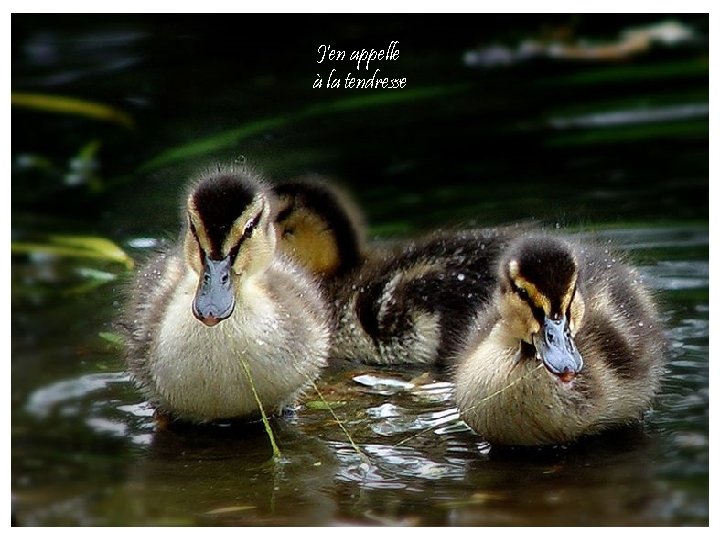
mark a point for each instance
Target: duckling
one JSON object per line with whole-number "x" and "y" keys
{"x": 551, "y": 340}
{"x": 411, "y": 303}
{"x": 225, "y": 294}
{"x": 320, "y": 227}
{"x": 569, "y": 344}
{"x": 405, "y": 302}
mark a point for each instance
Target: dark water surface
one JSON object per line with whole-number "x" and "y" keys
{"x": 614, "y": 149}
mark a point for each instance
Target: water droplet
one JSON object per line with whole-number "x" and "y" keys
{"x": 461, "y": 277}
{"x": 641, "y": 324}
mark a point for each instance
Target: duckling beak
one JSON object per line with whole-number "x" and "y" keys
{"x": 556, "y": 349}
{"x": 214, "y": 299}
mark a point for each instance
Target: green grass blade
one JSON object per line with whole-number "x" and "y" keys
{"x": 627, "y": 73}
{"x": 111, "y": 337}
{"x": 266, "y": 423}
{"x": 77, "y": 246}
{"x": 232, "y": 137}
{"x": 327, "y": 406}
{"x": 72, "y": 106}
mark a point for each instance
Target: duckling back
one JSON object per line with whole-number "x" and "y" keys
{"x": 405, "y": 302}
{"x": 569, "y": 344}
{"x": 221, "y": 301}
{"x": 410, "y": 303}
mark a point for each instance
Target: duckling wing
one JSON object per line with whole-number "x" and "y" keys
{"x": 414, "y": 304}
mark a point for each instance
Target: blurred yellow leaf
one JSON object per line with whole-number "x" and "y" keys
{"x": 68, "y": 105}
{"x": 77, "y": 246}
{"x": 228, "y": 510}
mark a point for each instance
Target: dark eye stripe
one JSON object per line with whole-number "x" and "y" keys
{"x": 247, "y": 233}
{"x": 537, "y": 312}
{"x": 572, "y": 297}
{"x": 193, "y": 230}
{"x": 250, "y": 227}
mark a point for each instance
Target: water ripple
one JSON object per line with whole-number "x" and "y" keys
{"x": 45, "y": 400}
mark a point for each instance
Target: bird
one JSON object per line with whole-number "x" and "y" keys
{"x": 569, "y": 344}
{"x": 548, "y": 339}
{"x": 320, "y": 226}
{"x": 411, "y": 301}
{"x": 406, "y": 301}
{"x": 222, "y": 300}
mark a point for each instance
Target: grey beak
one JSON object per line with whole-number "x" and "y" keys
{"x": 214, "y": 298}
{"x": 557, "y": 349}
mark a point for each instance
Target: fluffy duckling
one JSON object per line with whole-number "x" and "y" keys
{"x": 408, "y": 302}
{"x": 411, "y": 303}
{"x": 320, "y": 227}
{"x": 552, "y": 340}
{"x": 570, "y": 344}
{"x": 393, "y": 303}
{"x": 225, "y": 294}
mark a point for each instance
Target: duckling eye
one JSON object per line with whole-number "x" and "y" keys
{"x": 523, "y": 294}
{"x": 250, "y": 227}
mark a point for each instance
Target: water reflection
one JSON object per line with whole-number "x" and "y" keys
{"x": 227, "y": 476}
{"x": 410, "y": 461}
{"x": 67, "y": 393}
{"x": 608, "y": 482}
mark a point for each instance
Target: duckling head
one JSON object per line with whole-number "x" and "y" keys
{"x": 541, "y": 304}
{"x": 229, "y": 239}
{"x": 319, "y": 226}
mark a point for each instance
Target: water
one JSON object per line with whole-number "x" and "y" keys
{"x": 84, "y": 447}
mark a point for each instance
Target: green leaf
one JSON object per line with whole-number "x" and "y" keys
{"x": 229, "y": 510}
{"x": 77, "y": 246}
{"x": 112, "y": 338}
{"x": 630, "y": 133}
{"x": 628, "y": 73}
{"x": 324, "y": 405}
{"x": 72, "y": 106}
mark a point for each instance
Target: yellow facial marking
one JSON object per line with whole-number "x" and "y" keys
{"x": 240, "y": 224}
{"x": 202, "y": 236}
{"x": 577, "y": 313}
{"x": 319, "y": 252}
{"x": 308, "y": 239}
{"x": 536, "y": 297}
{"x": 568, "y": 294}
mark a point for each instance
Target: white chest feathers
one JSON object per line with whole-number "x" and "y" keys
{"x": 198, "y": 371}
